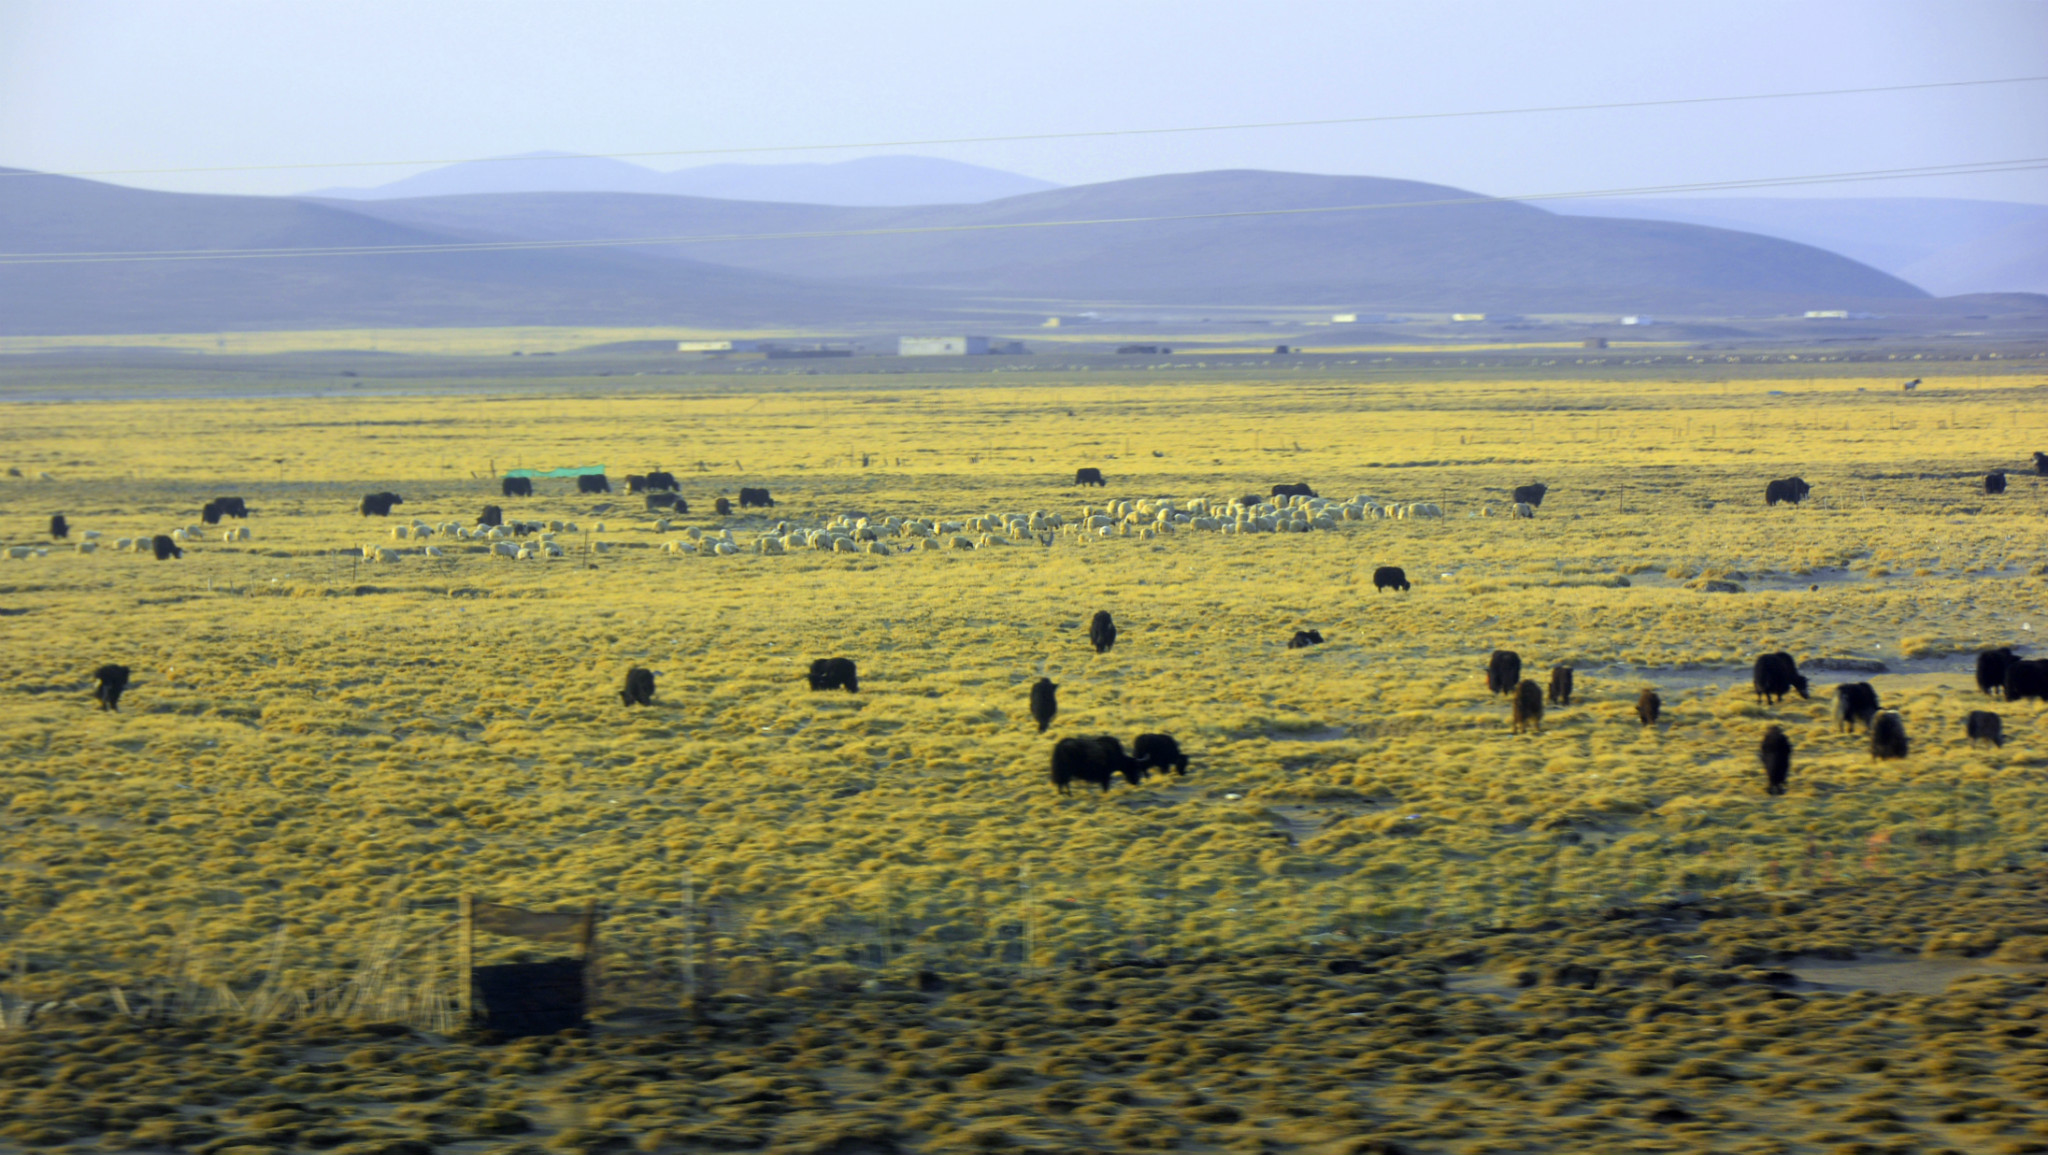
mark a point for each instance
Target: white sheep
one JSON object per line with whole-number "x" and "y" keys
{"x": 87, "y": 546}
{"x": 20, "y": 551}
{"x": 434, "y": 551}
{"x": 400, "y": 532}
{"x": 92, "y": 535}
{"x": 1524, "y": 509}
{"x": 504, "y": 549}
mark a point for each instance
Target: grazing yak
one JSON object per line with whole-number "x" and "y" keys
{"x": 1251, "y": 499}
{"x": 210, "y": 513}
{"x": 1089, "y": 476}
{"x": 1855, "y": 702}
{"x": 1528, "y": 710}
{"x": 1887, "y": 737}
{"x": 661, "y": 480}
{"x": 834, "y": 674}
{"x": 165, "y": 548}
{"x": 636, "y": 482}
{"x": 1991, "y": 667}
{"x": 1503, "y": 670}
{"x": 1102, "y": 632}
{"x": 515, "y": 486}
{"x": 1045, "y": 702}
{"x": 379, "y": 504}
{"x": 1776, "y": 755}
{"x": 662, "y": 501}
{"x": 233, "y": 507}
{"x": 722, "y": 507}
{"x": 2041, "y": 464}
{"x": 1160, "y": 750}
{"x": 1298, "y": 489}
{"x": 1561, "y": 686}
{"x": 491, "y": 516}
{"x": 1994, "y": 483}
{"x": 1776, "y": 675}
{"x": 2025, "y": 680}
{"x": 753, "y": 496}
{"x": 639, "y": 688}
{"x": 112, "y": 680}
{"x": 1984, "y": 726}
{"x": 1389, "y": 577}
{"x": 59, "y": 528}
{"x": 1303, "y": 639}
{"x": 1095, "y": 759}
{"x": 1530, "y": 494}
{"x": 593, "y": 483}
{"x": 1791, "y": 490}
{"x": 1648, "y": 706}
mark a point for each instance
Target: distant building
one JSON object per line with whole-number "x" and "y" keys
{"x": 1468, "y": 316}
{"x": 1639, "y": 320}
{"x": 941, "y": 346}
{"x": 1343, "y": 318}
{"x": 1595, "y": 343}
{"x": 718, "y": 346}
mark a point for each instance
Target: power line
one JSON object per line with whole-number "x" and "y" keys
{"x": 1036, "y": 136}
{"x": 166, "y": 255}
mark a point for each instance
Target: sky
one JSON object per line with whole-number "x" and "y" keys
{"x": 88, "y": 85}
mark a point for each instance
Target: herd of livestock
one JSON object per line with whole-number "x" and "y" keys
{"x": 1099, "y": 759}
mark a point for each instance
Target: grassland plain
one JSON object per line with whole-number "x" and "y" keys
{"x": 319, "y": 753}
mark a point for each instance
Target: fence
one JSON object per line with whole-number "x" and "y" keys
{"x": 901, "y": 923}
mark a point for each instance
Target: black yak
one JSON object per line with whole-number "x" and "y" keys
{"x": 751, "y": 496}
{"x": 164, "y": 547}
{"x": 59, "y": 528}
{"x": 593, "y": 483}
{"x": 660, "y": 480}
{"x": 1855, "y": 702}
{"x": 722, "y": 507}
{"x": 636, "y": 482}
{"x": 233, "y": 507}
{"x": 210, "y": 513}
{"x": 1160, "y": 750}
{"x": 1389, "y": 577}
{"x": 2041, "y": 464}
{"x": 1045, "y": 702}
{"x": 1102, "y": 632}
{"x": 1887, "y": 737}
{"x": 639, "y": 688}
{"x": 1251, "y": 499}
{"x": 1991, "y": 667}
{"x": 1561, "y": 686}
{"x": 1994, "y": 483}
{"x": 491, "y": 516}
{"x": 2025, "y": 680}
{"x": 1984, "y": 726}
{"x": 834, "y": 674}
{"x": 661, "y": 501}
{"x": 1503, "y": 670}
{"x": 1089, "y": 476}
{"x": 1648, "y": 706}
{"x": 1776, "y": 755}
{"x": 1528, "y": 710}
{"x": 379, "y": 504}
{"x": 1095, "y": 759}
{"x": 1791, "y": 490}
{"x": 1303, "y": 639}
{"x": 1297, "y": 489}
{"x": 515, "y": 486}
{"x": 1531, "y": 494}
{"x": 1775, "y": 675}
{"x": 112, "y": 680}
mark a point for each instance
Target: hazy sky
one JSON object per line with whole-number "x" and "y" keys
{"x": 100, "y": 84}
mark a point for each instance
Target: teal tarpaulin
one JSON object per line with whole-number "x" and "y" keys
{"x": 575, "y": 471}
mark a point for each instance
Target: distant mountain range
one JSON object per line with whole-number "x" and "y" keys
{"x": 1944, "y": 245}
{"x": 874, "y": 180}
{"x": 1232, "y": 238}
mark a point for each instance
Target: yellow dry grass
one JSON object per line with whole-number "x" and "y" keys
{"x": 315, "y": 747}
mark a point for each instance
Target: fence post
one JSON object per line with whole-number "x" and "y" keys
{"x": 465, "y": 958}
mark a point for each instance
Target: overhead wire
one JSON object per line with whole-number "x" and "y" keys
{"x": 1016, "y": 138}
{"x": 170, "y": 255}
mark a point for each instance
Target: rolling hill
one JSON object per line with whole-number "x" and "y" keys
{"x": 1300, "y": 240}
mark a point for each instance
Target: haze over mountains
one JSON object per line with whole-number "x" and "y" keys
{"x": 874, "y": 180}
{"x": 1387, "y": 246}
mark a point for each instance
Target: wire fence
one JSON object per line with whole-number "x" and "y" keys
{"x": 900, "y": 926}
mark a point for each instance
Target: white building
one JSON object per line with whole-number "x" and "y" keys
{"x": 941, "y": 346}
